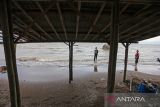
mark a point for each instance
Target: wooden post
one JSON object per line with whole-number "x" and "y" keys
{"x": 14, "y": 47}
{"x": 113, "y": 46}
{"x": 125, "y": 60}
{"x": 9, "y": 52}
{"x": 70, "y": 62}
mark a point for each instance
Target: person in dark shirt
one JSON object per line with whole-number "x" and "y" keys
{"x": 95, "y": 54}
{"x": 136, "y": 59}
{"x": 158, "y": 59}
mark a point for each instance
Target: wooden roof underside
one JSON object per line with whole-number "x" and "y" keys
{"x": 83, "y": 20}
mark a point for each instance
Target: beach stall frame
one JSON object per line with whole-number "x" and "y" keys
{"x": 95, "y": 21}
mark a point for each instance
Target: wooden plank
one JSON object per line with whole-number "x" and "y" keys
{"x": 96, "y": 19}
{"x": 84, "y": 17}
{"x": 143, "y": 9}
{"x": 113, "y": 46}
{"x": 33, "y": 22}
{"x": 27, "y": 35}
{"x": 134, "y": 17}
{"x": 109, "y": 24}
{"x": 124, "y": 8}
{"x": 141, "y": 34}
{"x": 137, "y": 24}
{"x": 146, "y": 36}
{"x": 61, "y": 18}
{"x": 150, "y": 23}
{"x": 27, "y": 27}
{"x": 77, "y": 20}
{"x": 48, "y": 20}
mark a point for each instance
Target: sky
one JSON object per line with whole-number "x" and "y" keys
{"x": 155, "y": 40}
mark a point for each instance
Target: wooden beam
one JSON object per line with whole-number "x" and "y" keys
{"x": 77, "y": 20}
{"x": 138, "y": 14}
{"x": 17, "y": 32}
{"x": 84, "y": 16}
{"x": 52, "y": 3}
{"x": 96, "y": 19}
{"x": 150, "y": 23}
{"x": 138, "y": 23}
{"x": 17, "y": 39}
{"x": 108, "y": 25}
{"x": 27, "y": 27}
{"x": 124, "y": 8}
{"x": 71, "y": 61}
{"x": 26, "y": 35}
{"x": 33, "y": 22}
{"x": 124, "y": 44}
{"x": 20, "y": 38}
{"x": 125, "y": 60}
{"x": 8, "y": 42}
{"x": 48, "y": 20}
{"x": 143, "y": 9}
{"x": 147, "y": 32}
{"x": 61, "y": 18}
{"x": 145, "y": 36}
{"x": 113, "y": 46}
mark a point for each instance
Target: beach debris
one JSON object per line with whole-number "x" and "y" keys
{"x": 102, "y": 79}
{"x": 121, "y": 87}
{"x": 147, "y": 87}
{"x": 105, "y": 47}
{"x": 121, "y": 84}
{"x": 3, "y": 69}
{"x": 127, "y": 82}
{"x": 24, "y": 59}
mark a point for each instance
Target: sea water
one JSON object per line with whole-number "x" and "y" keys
{"x": 33, "y": 60}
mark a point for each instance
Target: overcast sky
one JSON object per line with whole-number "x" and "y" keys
{"x": 155, "y": 40}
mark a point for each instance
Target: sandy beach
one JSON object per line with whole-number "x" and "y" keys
{"x": 85, "y": 91}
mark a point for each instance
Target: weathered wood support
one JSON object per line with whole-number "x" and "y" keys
{"x": 14, "y": 47}
{"x": 71, "y": 61}
{"x": 9, "y": 50}
{"x": 113, "y": 46}
{"x": 125, "y": 60}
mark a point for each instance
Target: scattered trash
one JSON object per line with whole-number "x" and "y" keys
{"x": 147, "y": 87}
{"x": 3, "y": 69}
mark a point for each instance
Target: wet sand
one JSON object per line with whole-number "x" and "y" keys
{"x": 85, "y": 91}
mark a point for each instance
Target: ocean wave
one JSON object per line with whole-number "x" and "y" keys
{"x": 80, "y": 61}
{"x": 24, "y": 59}
{"x": 36, "y": 59}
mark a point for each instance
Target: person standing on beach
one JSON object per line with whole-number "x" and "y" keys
{"x": 95, "y": 54}
{"x": 136, "y": 59}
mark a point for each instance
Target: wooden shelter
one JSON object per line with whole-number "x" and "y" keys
{"x": 70, "y": 21}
